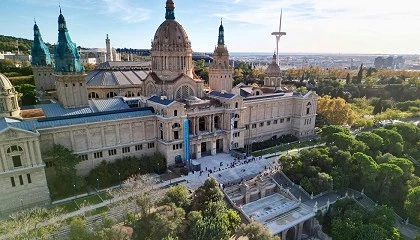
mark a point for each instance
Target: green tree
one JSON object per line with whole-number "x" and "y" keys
{"x": 78, "y": 230}
{"x": 360, "y": 74}
{"x": 207, "y": 193}
{"x": 256, "y": 231}
{"x": 328, "y": 131}
{"x": 372, "y": 140}
{"x": 178, "y": 195}
{"x": 393, "y": 141}
{"x": 27, "y": 94}
{"x": 412, "y": 203}
{"x": 406, "y": 166}
{"x": 348, "y": 80}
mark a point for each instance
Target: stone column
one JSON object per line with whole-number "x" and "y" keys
{"x": 283, "y": 234}
{"x": 33, "y": 156}
{"x": 3, "y": 167}
{"x": 38, "y": 152}
{"x": 198, "y": 150}
{"x": 27, "y": 155}
{"x": 299, "y": 231}
{"x": 213, "y": 147}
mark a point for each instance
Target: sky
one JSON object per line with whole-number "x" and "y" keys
{"x": 312, "y": 26}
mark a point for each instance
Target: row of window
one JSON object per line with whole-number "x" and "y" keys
{"x": 74, "y": 85}
{"x": 308, "y": 121}
{"x": 28, "y": 177}
{"x": 177, "y": 146}
{"x": 236, "y": 134}
{"x": 254, "y": 125}
{"x": 111, "y": 152}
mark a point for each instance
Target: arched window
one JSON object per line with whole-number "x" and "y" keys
{"x": 111, "y": 95}
{"x": 184, "y": 91}
{"x": 14, "y": 148}
{"x": 93, "y": 95}
{"x": 129, "y": 94}
{"x": 257, "y": 93}
{"x": 202, "y": 124}
{"x": 236, "y": 115}
{"x": 150, "y": 90}
{"x": 308, "y": 107}
{"x": 176, "y": 125}
{"x": 175, "y": 113}
{"x": 138, "y": 94}
{"x": 217, "y": 124}
{"x": 236, "y": 105}
{"x": 15, "y": 153}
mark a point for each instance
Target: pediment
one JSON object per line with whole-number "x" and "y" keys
{"x": 14, "y": 133}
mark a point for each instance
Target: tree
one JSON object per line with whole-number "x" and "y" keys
{"x": 348, "y": 143}
{"x": 412, "y": 203}
{"x": 368, "y": 167}
{"x": 328, "y": 131}
{"x": 387, "y": 173}
{"x": 27, "y": 94}
{"x": 256, "y": 231}
{"x": 207, "y": 193}
{"x": 78, "y": 230}
{"x": 336, "y": 110}
{"x": 348, "y": 78}
{"x": 372, "y": 140}
{"x": 360, "y": 74}
{"x": 178, "y": 195}
{"x": 393, "y": 141}
{"x": 406, "y": 166}
{"x": 64, "y": 161}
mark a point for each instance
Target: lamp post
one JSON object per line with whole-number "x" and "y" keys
{"x": 119, "y": 178}
{"x": 97, "y": 181}
{"x": 21, "y": 203}
{"x": 74, "y": 186}
{"x": 158, "y": 168}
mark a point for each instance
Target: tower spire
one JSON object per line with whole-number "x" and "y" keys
{"x": 170, "y": 13}
{"x": 221, "y": 39}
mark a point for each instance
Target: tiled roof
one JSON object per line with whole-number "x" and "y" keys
{"x": 85, "y": 118}
{"x": 55, "y": 109}
{"x": 223, "y": 95}
{"x": 109, "y": 77}
{"x": 103, "y": 105}
{"x": 3, "y": 124}
{"x": 159, "y": 100}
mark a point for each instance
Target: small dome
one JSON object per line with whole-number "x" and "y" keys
{"x": 273, "y": 70}
{"x": 170, "y": 36}
{"x": 5, "y": 83}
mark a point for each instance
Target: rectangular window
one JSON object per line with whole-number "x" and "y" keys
{"x": 235, "y": 124}
{"x": 176, "y": 135}
{"x": 83, "y": 157}
{"x": 66, "y": 84}
{"x": 97, "y": 155}
{"x": 112, "y": 152}
{"x": 268, "y": 123}
{"x": 16, "y": 161}
{"x": 246, "y": 127}
{"x": 236, "y": 145}
{"x": 125, "y": 149}
{"x": 262, "y": 124}
{"x": 28, "y": 176}
{"x": 307, "y": 110}
{"x": 150, "y": 145}
{"x": 288, "y": 119}
{"x": 254, "y": 125}
{"x": 282, "y": 120}
{"x": 161, "y": 134}
{"x": 21, "y": 179}
{"x": 275, "y": 121}
{"x": 12, "y": 179}
{"x": 139, "y": 147}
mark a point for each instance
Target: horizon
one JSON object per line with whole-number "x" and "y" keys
{"x": 347, "y": 29}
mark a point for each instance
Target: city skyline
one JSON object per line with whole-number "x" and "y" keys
{"x": 326, "y": 26}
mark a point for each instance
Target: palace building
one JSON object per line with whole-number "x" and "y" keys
{"x": 133, "y": 109}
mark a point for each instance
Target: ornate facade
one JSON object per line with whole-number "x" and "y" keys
{"x": 125, "y": 109}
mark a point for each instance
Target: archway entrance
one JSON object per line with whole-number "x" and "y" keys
{"x": 219, "y": 145}
{"x": 291, "y": 233}
{"x": 203, "y": 148}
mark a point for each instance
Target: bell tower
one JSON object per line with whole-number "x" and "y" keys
{"x": 220, "y": 71}
{"x": 68, "y": 71}
{"x": 42, "y": 65}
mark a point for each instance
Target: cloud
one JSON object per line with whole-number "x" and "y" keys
{"x": 126, "y": 11}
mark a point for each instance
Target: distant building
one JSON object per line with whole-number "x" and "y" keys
{"x": 389, "y": 62}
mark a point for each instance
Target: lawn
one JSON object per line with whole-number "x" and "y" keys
{"x": 68, "y": 206}
{"x": 89, "y": 200}
{"x": 285, "y": 148}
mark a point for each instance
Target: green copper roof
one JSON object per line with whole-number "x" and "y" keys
{"x": 40, "y": 53}
{"x": 66, "y": 56}
{"x": 170, "y": 13}
{"x": 221, "y": 40}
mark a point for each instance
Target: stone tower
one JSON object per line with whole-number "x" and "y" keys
{"x": 68, "y": 71}
{"x": 171, "y": 49}
{"x": 273, "y": 74}
{"x": 9, "y": 106}
{"x": 109, "y": 54}
{"x": 220, "y": 71}
{"x": 42, "y": 65}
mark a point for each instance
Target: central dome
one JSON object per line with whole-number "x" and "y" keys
{"x": 170, "y": 36}
{"x": 171, "y": 49}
